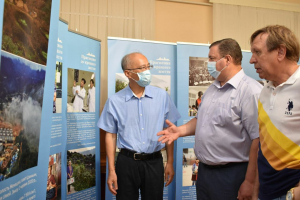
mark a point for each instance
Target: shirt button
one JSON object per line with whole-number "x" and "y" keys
{"x": 141, "y": 114}
{"x": 143, "y": 142}
{"x": 140, "y": 101}
{"x": 274, "y": 93}
{"x": 142, "y": 128}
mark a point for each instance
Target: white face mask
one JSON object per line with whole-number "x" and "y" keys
{"x": 144, "y": 78}
{"x": 211, "y": 67}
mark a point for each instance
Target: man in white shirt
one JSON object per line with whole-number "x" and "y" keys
{"x": 79, "y": 93}
{"x": 91, "y": 96}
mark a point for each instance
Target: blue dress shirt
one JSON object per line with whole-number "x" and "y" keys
{"x": 138, "y": 120}
{"x": 227, "y": 121}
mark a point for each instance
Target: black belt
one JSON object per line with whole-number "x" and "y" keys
{"x": 140, "y": 156}
{"x": 223, "y": 166}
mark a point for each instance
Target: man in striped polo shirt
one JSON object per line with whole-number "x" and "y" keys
{"x": 275, "y": 53}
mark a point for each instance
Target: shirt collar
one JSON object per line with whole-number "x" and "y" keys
{"x": 129, "y": 93}
{"x": 234, "y": 81}
{"x": 290, "y": 80}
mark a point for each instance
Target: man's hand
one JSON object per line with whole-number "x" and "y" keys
{"x": 297, "y": 192}
{"x": 245, "y": 191}
{"x": 74, "y": 83}
{"x": 169, "y": 174}
{"x": 170, "y": 134}
{"x": 76, "y": 91}
{"x": 112, "y": 182}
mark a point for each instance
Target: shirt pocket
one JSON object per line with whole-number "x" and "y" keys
{"x": 220, "y": 114}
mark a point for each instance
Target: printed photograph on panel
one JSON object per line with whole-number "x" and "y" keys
{"x": 199, "y": 81}
{"x": 24, "y": 50}
{"x": 81, "y": 91}
{"x": 26, "y": 29}
{"x": 57, "y": 88}
{"x": 54, "y": 177}
{"x": 81, "y": 172}
{"x": 189, "y": 167}
{"x": 160, "y": 81}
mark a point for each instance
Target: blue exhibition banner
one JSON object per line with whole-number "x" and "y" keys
{"x": 75, "y": 140}
{"x": 163, "y": 58}
{"x": 193, "y": 77}
{"x": 28, "y": 48}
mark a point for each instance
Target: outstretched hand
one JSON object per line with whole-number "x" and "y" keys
{"x": 170, "y": 134}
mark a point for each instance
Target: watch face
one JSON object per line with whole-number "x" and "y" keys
{"x": 289, "y": 196}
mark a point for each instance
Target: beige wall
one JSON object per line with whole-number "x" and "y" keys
{"x": 187, "y": 21}
{"x": 183, "y": 22}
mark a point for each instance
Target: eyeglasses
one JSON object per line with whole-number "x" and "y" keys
{"x": 148, "y": 67}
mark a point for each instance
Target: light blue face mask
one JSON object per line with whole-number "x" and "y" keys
{"x": 144, "y": 78}
{"x": 211, "y": 67}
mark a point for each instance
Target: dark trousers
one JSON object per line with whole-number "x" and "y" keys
{"x": 220, "y": 183}
{"x": 134, "y": 175}
{"x": 50, "y": 194}
{"x": 69, "y": 187}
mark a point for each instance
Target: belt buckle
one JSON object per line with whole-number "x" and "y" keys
{"x": 134, "y": 156}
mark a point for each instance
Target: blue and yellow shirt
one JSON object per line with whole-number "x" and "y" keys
{"x": 279, "y": 131}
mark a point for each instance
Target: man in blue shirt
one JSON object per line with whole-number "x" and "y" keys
{"x": 225, "y": 128}
{"x": 136, "y": 114}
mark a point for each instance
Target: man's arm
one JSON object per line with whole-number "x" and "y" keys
{"x": 74, "y": 90}
{"x": 89, "y": 96}
{"x": 256, "y": 186}
{"x": 249, "y": 115}
{"x": 54, "y": 97}
{"x": 297, "y": 193}
{"x": 173, "y": 132}
{"x": 169, "y": 170}
{"x": 247, "y": 187}
{"x": 81, "y": 93}
{"x": 110, "y": 143}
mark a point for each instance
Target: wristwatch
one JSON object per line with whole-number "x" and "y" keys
{"x": 290, "y": 194}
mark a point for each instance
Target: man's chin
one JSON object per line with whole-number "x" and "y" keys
{"x": 261, "y": 76}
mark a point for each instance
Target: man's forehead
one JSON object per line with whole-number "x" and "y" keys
{"x": 137, "y": 59}
{"x": 260, "y": 39}
{"x": 214, "y": 51}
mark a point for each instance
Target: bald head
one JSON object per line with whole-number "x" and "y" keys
{"x": 129, "y": 59}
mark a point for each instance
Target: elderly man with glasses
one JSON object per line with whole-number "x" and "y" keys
{"x": 136, "y": 114}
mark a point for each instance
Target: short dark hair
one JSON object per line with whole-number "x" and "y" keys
{"x": 200, "y": 93}
{"x": 280, "y": 35}
{"x": 230, "y": 47}
{"x": 126, "y": 60}
{"x": 193, "y": 106}
{"x": 92, "y": 81}
{"x": 83, "y": 80}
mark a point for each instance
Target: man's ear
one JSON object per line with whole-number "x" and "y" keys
{"x": 228, "y": 59}
{"x": 126, "y": 72}
{"x": 281, "y": 52}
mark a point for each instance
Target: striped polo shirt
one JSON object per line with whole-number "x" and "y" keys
{"x": 279, "y": 131}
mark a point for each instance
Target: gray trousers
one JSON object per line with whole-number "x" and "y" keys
{"x": 220, "y": 183}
